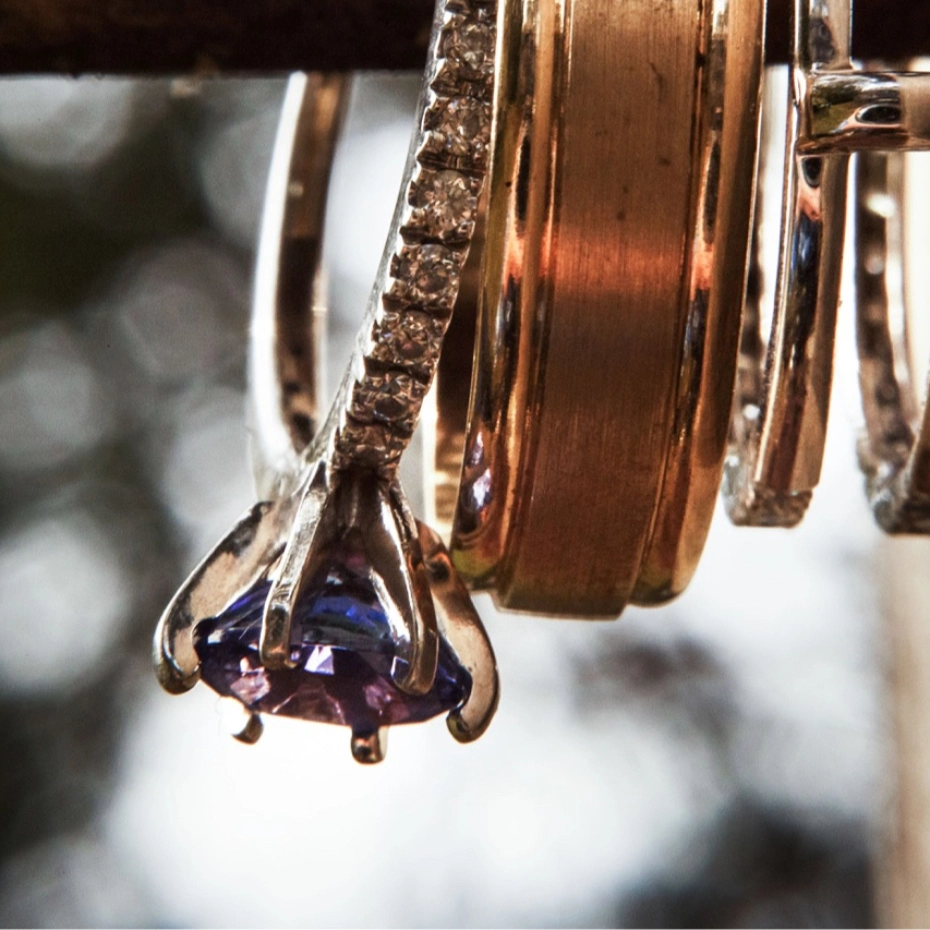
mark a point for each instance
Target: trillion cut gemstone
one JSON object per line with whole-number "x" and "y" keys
{"x": 343, "y": 649}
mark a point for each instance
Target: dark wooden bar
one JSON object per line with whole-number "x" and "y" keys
{"x": 159, "y": 37}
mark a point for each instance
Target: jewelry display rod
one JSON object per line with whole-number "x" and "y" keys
{"x": 145, "y": 37}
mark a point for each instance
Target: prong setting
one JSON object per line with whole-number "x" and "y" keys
{"x": 236, "y": 561}
{"x": 251, "y": 732}
{"x": 275, "y": 644}
{"x": 461, "y": 627}
{"x": 321, "y": 605}
{"x": 370, "y": 748}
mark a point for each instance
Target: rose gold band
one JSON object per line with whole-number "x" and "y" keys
{"x": 615, "y": 255}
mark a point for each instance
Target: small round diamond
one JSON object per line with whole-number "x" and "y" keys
{"x": 429, "y": 270}
{"x": 407, "y": 339}
{"x": 390, "y": 397}
{"x": 470, "y": 45}
{"x": 446, "y": 203}
{"x": 427, "y": 273}
{"x": 463, "y": 126}
{"x": 367, "y": 445}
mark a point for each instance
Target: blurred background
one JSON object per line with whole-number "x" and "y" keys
{"x": 725, "y": 761}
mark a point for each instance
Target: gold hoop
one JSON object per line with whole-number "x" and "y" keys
{"x": 596, "y": 388}
{"x": 783, "y": 393}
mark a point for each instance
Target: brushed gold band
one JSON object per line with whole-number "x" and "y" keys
{"x": 609, "y": 245}
{"x": 714, "y": 279}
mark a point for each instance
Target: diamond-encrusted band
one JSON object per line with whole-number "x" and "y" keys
{"x": 376, "y": 410}
{"x": 894, "y": 451}
{"x": 330, "y": 601}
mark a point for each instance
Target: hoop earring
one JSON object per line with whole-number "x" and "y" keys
{"x": 894, "y": 452}
{"x": 783, "y": 392}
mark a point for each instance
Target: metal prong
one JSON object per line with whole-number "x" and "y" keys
{"x": 251, "y": 731}
{"x": 462, "y": 628}
{"x": 405, "y": 577}
{"x": 369, "y": 748}
{"x": 275, "y": 642}
{"x": 230, "y": 568}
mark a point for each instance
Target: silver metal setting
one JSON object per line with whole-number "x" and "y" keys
{"x": 345, "y": 479}
{"x": 894, "y": 451}
{"x": 286, "y": 366}
{"x": 783, "y": 390}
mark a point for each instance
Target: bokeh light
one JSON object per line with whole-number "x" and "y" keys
{"x": 723, "y": 761}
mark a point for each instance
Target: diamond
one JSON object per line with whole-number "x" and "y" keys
{"x": 342, "y": 648}
{"x": 459, "y": 130}
{"x": 368, "y": 445}
{"x": 453, "y": 79}
{"x": 407, "y": 340}
{"x": 391, "y": 397}
{"x": 427, "y": 274}
{"x": 445, "y": 204}
{"x": 469, "y": 44}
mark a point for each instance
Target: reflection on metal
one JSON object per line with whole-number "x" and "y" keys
{"x": 615, "y": 257}
{"x": 783, "y": 390}
{"x": 895, "y": 450}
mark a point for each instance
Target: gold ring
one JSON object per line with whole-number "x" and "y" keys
{"x": 286, "y": 369}
{"x": 607, "y": 341}
{"x": 783, "y": 392}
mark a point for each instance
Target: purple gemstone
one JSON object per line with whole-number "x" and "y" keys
{"x": 343, "y": 649}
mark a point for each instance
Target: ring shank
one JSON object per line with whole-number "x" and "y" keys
{"x": 289, "y": 302}
{"x": 895, "y": 450}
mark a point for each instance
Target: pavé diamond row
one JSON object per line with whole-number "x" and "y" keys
{"x": 376, "y": 411}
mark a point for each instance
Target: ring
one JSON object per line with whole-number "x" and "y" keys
{"x": 894, "y": 451}
{"x": 330, "y": 602}
{"x": 286, "y": 362}
{"x": 606, "y": 347}
{"x": 783, "y": 391}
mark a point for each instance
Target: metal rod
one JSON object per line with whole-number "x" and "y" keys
{"x": 161, "y": 37}
{"x": 883, "y": 110}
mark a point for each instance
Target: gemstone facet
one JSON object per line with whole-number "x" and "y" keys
{"x": 342, "y": 647}
{"x": 426, "y": 274}
{"x": 445, "y": 202}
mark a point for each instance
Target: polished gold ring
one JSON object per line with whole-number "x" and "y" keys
{"x": 783, "y": 393}
{"x": 614, "y": 264}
